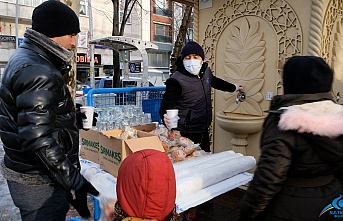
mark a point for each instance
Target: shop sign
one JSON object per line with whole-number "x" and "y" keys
{"x": 82, "y": 58}
{"x": 7, "y": 42}
{"x": 135, "y": 67}
{"x": 7, "y": 38}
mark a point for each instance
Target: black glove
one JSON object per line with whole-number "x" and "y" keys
{"x": 80, "y": 116}
{"x": 79, "y": 199}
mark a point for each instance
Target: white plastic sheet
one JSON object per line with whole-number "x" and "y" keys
{"x": 198, "y": 180}
{"x": 189, "y": 167}
{"x": 204, "y": 178}
{"x": 212, "y": 172}
{"x": 186, "y": 201}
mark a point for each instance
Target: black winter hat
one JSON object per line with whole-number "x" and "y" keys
{"x": 306, "y": 75}
{"x": 54, "y": 19}
{"x": 192, "y": 48}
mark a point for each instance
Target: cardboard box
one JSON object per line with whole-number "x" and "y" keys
{"x": 145, "y": 127}
{"x": 113, "y": 150}
{"x": 90, "y": 145}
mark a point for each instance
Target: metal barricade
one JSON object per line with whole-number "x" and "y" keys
{"x": 149, "y": 98}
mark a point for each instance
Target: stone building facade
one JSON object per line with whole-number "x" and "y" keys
{"x": 248, "y": 42}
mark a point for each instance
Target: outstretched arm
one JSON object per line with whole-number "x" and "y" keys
{"x": 220, "y": 84}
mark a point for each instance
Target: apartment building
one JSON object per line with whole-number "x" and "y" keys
{"x": 150, "y": 20}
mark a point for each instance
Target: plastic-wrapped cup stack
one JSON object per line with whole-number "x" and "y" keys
{"x": 118, "y": 117}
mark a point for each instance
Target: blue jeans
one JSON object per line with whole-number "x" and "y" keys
{"x": 39, "y": 202}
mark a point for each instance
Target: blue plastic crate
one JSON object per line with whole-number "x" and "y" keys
{"x": 152, "y": 106}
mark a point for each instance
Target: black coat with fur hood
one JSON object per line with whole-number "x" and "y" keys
{"x": 37, "y": 116}
{"x": 301, "y": 141}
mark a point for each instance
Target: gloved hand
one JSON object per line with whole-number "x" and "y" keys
{"x": 238, "y": 87}
{"x": 80, "y": 116}
{"x": 168, "y": 121}
{"x": 79, "y": 199}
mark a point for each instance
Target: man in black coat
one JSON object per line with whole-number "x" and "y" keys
{"x": 189, "y": 91}
{"x": 37, "y": 120}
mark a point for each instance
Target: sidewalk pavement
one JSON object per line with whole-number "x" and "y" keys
{"x": 8, "y": 211}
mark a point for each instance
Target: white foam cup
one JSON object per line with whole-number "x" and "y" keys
{"x": 89, "y": 111}
{"x": 173, "y": 116}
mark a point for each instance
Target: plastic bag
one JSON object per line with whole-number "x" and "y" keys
{"x": 105, "y": 183}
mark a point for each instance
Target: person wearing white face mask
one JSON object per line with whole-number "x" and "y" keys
{"x": 193, "y": 66}
{"x": 189, "y": 91}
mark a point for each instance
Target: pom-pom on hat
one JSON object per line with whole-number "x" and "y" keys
{"x": 54, "y": 19}
{"x": 306, "y": 75}
{"x": 192, "y": 48}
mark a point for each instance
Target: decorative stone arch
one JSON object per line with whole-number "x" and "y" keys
{"x": 331, "y": 24}
{"x": 283, "y": 20}
{"x": 332, "y": 43}
{"x": 278, "y": 14}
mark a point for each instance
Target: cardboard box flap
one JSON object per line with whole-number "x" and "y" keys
{"x": 94, "y": 133}
{"x": 144, "y": 134}
{"x": 112, "y": 133}
{"x": 146, "y": 127}
{"x": 113, "y": 150}
{"x": 150, "y": 142}
{"x": 117, "y": 133}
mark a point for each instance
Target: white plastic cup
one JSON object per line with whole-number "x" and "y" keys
{"x": 89, "y": 111}
{"x": 173, "y": 116}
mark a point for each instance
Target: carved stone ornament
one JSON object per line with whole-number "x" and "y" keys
{"x": 246, "y": 46}
{"x": 332, "y": 44}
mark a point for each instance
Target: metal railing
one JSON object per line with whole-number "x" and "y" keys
{"x": 149, "y": 98}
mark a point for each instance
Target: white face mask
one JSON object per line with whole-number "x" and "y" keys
{"x": 192, "y": 66}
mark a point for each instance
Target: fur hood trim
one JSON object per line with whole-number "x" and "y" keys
{"x": 323, "y": 118}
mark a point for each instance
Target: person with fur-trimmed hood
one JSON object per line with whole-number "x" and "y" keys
{"x": 300, "y": 170}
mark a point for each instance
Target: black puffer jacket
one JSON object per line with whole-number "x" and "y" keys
{"x": 196, "y": 114}
{"x": 300, "y": 169}
{"x": 37, "y": 115}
